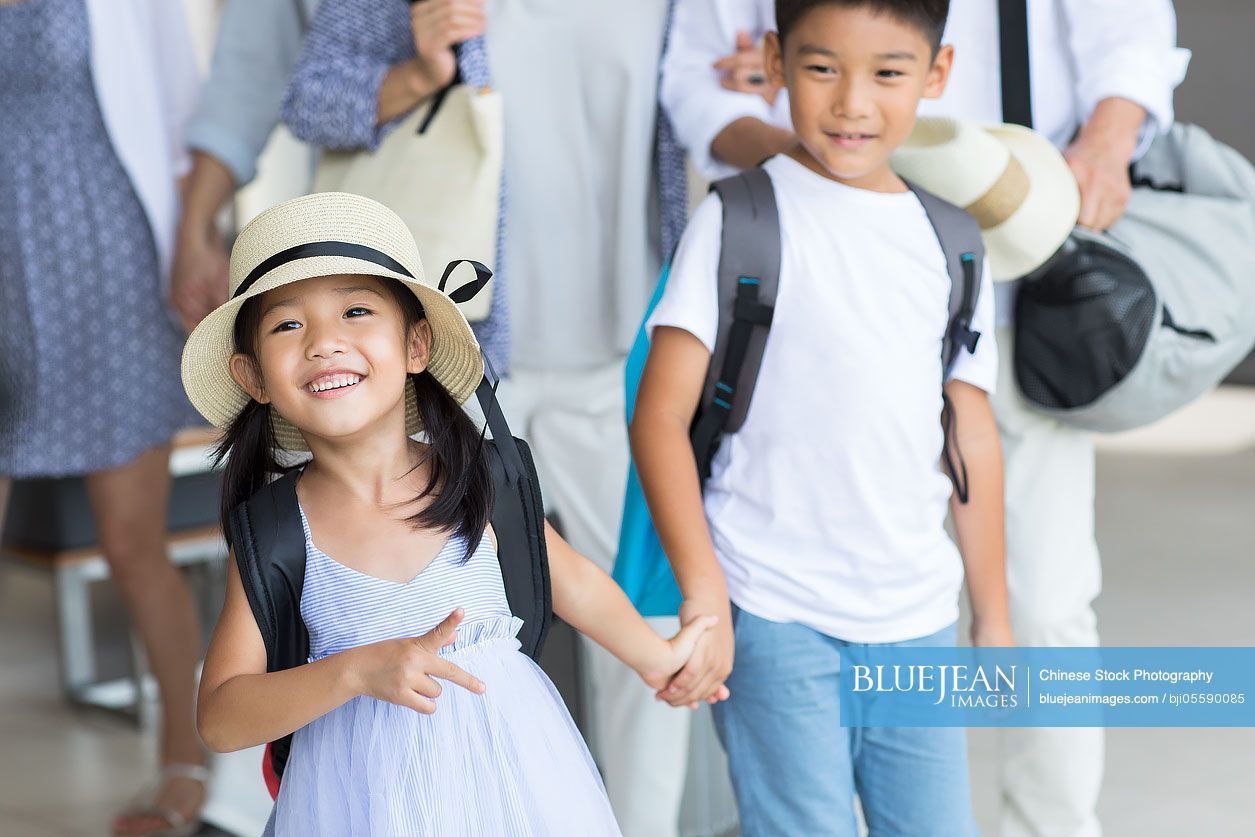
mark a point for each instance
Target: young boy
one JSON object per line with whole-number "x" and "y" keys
{"x": 822, "y": 520}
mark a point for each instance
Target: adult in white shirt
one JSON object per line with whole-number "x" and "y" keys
{"x": 1102, "y": 75}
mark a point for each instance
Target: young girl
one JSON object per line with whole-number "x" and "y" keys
{"x": 416, "y": 713}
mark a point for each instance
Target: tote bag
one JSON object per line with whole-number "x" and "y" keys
{"x": 440, "y": 170}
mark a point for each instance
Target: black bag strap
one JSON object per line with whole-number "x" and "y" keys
{"x": 266, "y": 535}
{"x": 518, "y": 519}
{"x": 1017, "y": 96}
{"x": 749, "y": 275}
{"x": 964, "y": 251}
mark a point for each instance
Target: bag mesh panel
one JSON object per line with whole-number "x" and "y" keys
{"x": 1081, "y": 325}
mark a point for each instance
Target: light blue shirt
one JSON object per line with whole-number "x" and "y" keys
{"x": 258, "y": 44}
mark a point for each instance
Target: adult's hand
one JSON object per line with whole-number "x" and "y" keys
{"x": 200, "y": 276}
{"x": 745, "y": 71}
{"x": 438, "y": 25}
{"x": 1099, "y": 159}
{"x": 703, "y": 676}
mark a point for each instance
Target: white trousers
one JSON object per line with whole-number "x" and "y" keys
{"x": 1050, "y": 777}
{"x": 574, "y": 423}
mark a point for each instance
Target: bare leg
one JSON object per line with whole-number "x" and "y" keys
{"x": 129, "y": 504}
{"x": 5, "y": 485}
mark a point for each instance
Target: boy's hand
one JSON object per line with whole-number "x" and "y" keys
{"x": 439, "y": 24}
{"x": 402, "y": 671}
{"x": 678, "y": 651}
{"x": 708, "y": 667}
{"x": 992, "y": 633}
{"x": 744, "y": 71}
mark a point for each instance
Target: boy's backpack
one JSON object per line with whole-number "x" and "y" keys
{"x": 749, "y": 276}
{"x": 1122, "y": 327}
{"x": 268, "y": 540}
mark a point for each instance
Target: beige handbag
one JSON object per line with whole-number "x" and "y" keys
{"x": 441, "y": 172}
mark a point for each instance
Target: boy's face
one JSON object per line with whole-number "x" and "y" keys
{"x": 855, "y": 79}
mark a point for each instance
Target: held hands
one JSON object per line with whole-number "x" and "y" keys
{"x": 437, "y": 26}
{"x": 678, "y": 651}
{"x": 199, "y": 280}
{"x": 744, "y": 71}
{"x": 710, "y": 661}
{"x": 403, "y": 671}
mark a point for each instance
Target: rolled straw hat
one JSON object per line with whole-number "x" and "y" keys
{"x": 1010, "y": 178}
{"x": 322, "y": 235}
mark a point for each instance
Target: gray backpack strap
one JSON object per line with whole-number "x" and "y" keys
{"x": 964, "y": 251}
{"x": 749, "y": 275}
{"x": 961, "y": 244}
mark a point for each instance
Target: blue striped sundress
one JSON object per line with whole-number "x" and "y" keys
{"x": 507, "y": 762}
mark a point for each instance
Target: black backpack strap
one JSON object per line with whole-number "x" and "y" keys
{"x": 1017, "y": 95}
{"x": 964, "y": 251}
{"x": 269, "y": 543}
{"x": 749, "y": 277}
{"x": 518, "y": 519}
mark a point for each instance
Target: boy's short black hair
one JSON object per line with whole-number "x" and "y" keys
{"x": 928, "y": 16}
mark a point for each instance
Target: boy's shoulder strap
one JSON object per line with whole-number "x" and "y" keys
{"x": 749, "y": 276}
{"x": 518, "y": 519}
{"x": 266, "y": 535}
{"x": 964, "y": 251}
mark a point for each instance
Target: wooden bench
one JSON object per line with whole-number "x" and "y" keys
{"x": 74, "y": 571}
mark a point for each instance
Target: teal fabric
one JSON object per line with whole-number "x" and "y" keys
{"x": 640, "y": 566}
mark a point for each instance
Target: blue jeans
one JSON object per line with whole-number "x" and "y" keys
{"x": 796, "y": 769}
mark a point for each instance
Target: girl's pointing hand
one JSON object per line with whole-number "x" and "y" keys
{"x": 404, "y": 671}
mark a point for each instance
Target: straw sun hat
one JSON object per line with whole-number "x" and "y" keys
{"x": 1011, "y": 179}
{"x": 322, "y": 235}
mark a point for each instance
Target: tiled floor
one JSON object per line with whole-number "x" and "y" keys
{"x": 1177, "y": 529}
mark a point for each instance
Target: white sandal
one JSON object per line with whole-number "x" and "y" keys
{"x": 145, "y": 803}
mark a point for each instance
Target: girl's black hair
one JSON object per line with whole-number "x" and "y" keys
{"x": 460, "y": 488}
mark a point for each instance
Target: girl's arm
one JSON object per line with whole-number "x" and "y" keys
{"x": 589, "y": 600}
{"x": 241, "y": 705}
{"x": 979, "y": 523}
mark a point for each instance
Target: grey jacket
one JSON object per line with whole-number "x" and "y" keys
{"x": 258, "y": 44}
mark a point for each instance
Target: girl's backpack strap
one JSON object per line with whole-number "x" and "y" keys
{"x": 518, "y": 519}
{"x": 266, "y": 536}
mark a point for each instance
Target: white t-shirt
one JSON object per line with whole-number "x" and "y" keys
{"x": 828, "y": 506}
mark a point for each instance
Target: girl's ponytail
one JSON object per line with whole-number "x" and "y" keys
{"x": 248, "y": 443}
{"x": 248, "y": 447}
{"x": 460, "y": 485}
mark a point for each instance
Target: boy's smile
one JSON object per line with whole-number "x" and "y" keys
{"x": 855, "y": 78}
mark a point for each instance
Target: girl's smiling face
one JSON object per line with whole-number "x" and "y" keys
{"x": 332, "y": 355}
